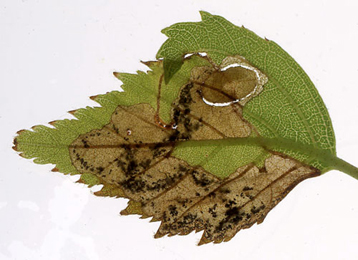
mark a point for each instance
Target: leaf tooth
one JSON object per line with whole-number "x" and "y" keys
{"x": 153, "y": 219}
{"x": 72, "y": 112}
{"x": 15, "y": 148}
{"x": 78, "y": 181}
{"x": 228, "y": 238}
{"x": 203, "y": 240}
{"x": 134, "y": 208}
{"x": 159, "y": 234}
{"x": 218, "y": 240}
{"x": 36, "y": 126}
{"x": 55, "y": 169}
{"x": 260, "y": 220}
{"x": 150, "y": 63}
{"x": 53, "y": 123}
{"x": 185, "y": 232}
{"x": 20, "y": 131}
{"x": 109, "y": 190}
{"x": 93, "y": 97}
{"x": 147, "y": 63}
{"x": 124, "y": 212}
{"x": 15, "y": 144}
{"x": 83, "y": 182}
{"x": 116, "y": 74}
{"x": 197, "y": 230}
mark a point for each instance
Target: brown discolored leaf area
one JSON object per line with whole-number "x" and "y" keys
{"x": 132, "y": 157}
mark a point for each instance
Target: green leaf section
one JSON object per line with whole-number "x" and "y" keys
{"x": 50, "y": 144}
{"x": 220, "y": 157}
{"x": 289, "y": 107}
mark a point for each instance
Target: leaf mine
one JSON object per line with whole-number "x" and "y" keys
{"x": 133, "y": 154}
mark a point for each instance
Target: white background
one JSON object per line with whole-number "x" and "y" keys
{"x": 54, "y": 54}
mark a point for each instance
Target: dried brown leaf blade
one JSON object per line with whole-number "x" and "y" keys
{"x": 134, "y": 153}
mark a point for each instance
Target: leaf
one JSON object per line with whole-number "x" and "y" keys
{"x": 213, "y": 147}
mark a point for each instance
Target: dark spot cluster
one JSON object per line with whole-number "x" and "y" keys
{"x": 115, "y": 128}
{"x": 184, "y": 225}
{"x": 181, "y": 117}
{"x": 159, "y": 149}
{"x": 225, "y": 190}
{"x": 212, "y": 211}
{"x": 247, "y": 193}
{"x": 201, "y": 179}
{"x": 184, "y": 202}
{"x": 185, "y": 98}
{"x": 190, "y": 222}
{"x": 136, "y": 183}
{"x": 230, "y": 204}
{"x": 84, "y": 165}
{"x": 162, "y": 184}
{"x": 189, "y": 218}
{"x": 173, "y": 210}
{"x": 132, "y": 163}
{"x": 255, "y": 210}
{"x": 133, "y": 184}
{"x": 85, "y": 143}
{"x": 159, "y": 152}
{"x": 233, "y": 215}
{"x": 246, "y": 188}
{"x": 212, "y": 194}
